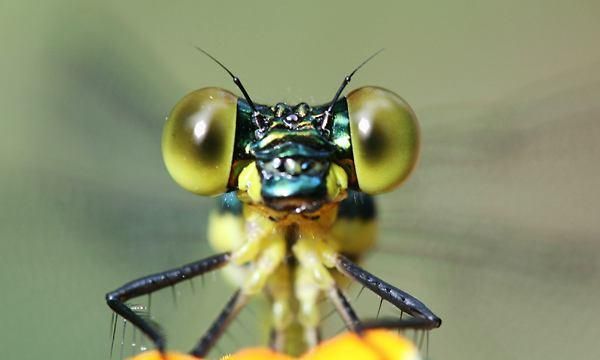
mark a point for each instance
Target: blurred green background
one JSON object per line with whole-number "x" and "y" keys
{"x": 497, "y": 230}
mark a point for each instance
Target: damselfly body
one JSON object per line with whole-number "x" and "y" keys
{"x": 297, "y": 211}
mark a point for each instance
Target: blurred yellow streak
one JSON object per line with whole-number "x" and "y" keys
{"x": 373, "y": 345}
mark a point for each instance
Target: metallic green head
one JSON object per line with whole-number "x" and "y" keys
{"x": 293, "y": 152}
{"x": 290, "y": 158}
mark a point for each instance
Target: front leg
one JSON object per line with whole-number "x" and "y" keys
{"x": 261, "y": 268}
{"x": 148, "y": 284}
{"x": 395, "y": 296}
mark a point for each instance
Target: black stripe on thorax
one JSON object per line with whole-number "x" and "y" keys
{"x": 357, "y": 205}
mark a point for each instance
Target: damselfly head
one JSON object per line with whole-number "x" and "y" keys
{"x": 290, "y": 157}
{"x": 293, "y": 159}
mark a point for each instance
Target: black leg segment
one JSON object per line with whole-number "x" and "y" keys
{"x": 395, "y": 324}
{"x": 149, "y": 284}
{"x": 400, "y": 299}
{"x": 344, "y": 308}
{"x": 229, "y": 312}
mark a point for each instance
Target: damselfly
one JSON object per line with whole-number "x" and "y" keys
{"x": 297, "y": 210}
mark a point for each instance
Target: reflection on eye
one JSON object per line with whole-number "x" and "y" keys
{"x": 198, "y": 140}
{"x": 364, "y": 125}
{"x": 200, "y": 127}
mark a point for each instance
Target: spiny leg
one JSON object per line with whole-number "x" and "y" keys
{"x": 262, "y": 267}
{"x": 149, "y": 284}
{"x": 395, "y": 324}
{"x": 229, "y": 312}
{"x": 400, "y": 299}
{"x": 312, "y": 277}
{"x": 344, "y": 308}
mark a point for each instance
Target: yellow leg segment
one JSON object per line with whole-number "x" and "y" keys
{"x": 258, "y": 231}
{"x": 280, "y": 289}
{"x": 307, "y": 292}
{"x": 312, "y": 277}
{"x": 268, "y": 260}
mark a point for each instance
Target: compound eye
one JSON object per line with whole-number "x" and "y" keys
{"x": 198, "y": 140}
{"x": 385, "y": 138}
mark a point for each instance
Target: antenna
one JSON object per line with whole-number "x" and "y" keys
{"x": 237, "y": 82}
{"x": 345, "y": 82}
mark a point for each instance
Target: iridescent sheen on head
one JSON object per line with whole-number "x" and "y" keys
{"x": 285, "y": 156}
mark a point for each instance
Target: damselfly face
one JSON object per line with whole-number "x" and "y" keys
{"x": 294, "y": 155}
{"x": 292, "y": 158}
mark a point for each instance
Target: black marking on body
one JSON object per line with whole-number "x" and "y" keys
{"x": 291, "y": 236}
{"x": 357, "y": 205}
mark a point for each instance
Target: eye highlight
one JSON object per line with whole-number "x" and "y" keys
{"x": 198, "y": 140}
{"x": 385, "y": 138}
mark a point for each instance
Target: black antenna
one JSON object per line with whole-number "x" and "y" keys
{"x": 345, "y": 82}
{"x": 236, "y": 80}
